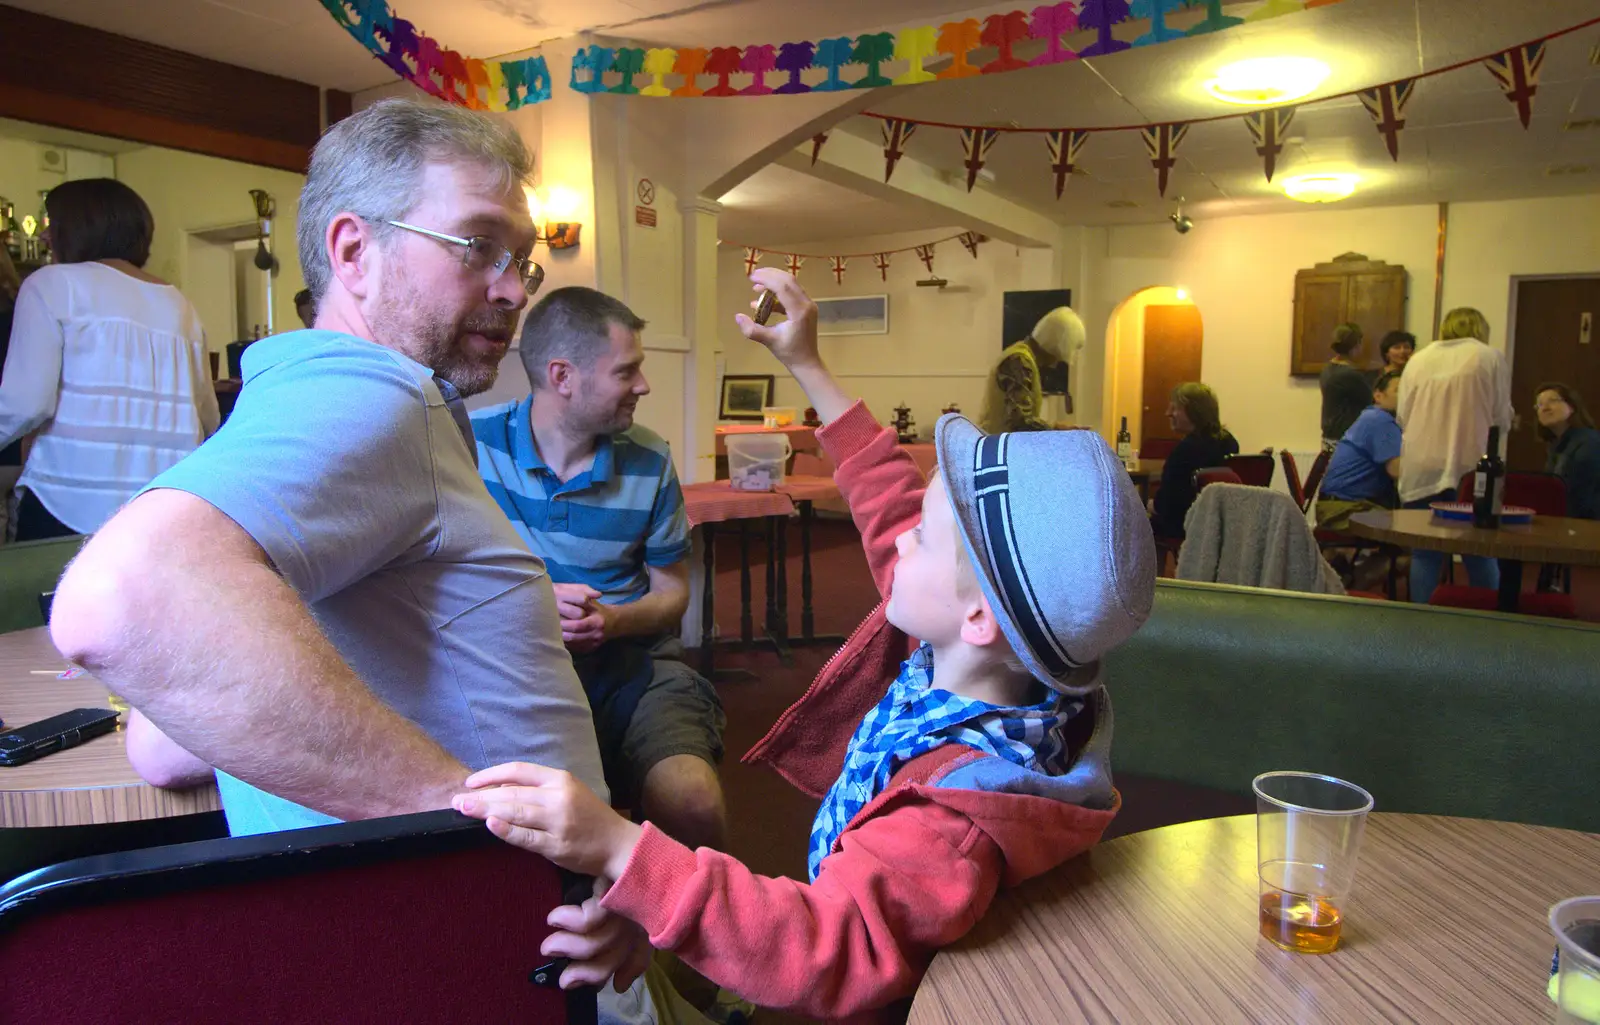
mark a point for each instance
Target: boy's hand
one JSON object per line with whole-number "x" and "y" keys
{"x": 794, "y": 341}
{"x": 600, "y": 944}
{"x": 548, "y": 812}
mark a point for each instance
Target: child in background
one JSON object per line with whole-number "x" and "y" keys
{"x": 981, "y": 760}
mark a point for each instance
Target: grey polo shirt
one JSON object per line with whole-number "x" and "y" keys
{"x": 345, "y": 463}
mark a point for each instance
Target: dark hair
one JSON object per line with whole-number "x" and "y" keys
{"x": 1394, "y": 338}
{"x": 1199, "y": 404}
{"x": 1384, "y": 378}
{"x": 1346, "y": 338}
{"x": 302, "y": 297}
{"x": 1580, "y": 413}
{"x": 572, "y": 324}
{"x": 98, "y": 219}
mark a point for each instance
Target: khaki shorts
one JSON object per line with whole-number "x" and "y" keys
{"x": 679, "y": 713}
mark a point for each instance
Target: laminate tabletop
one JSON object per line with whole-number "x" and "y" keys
{"x": 1554, "y": 539}
{"x": 1447, "y": 924}
{"x": 90, "y": 783}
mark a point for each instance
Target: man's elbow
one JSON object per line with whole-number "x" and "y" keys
{"x": 96, "y": 600}
{"x": 159, "y": 761}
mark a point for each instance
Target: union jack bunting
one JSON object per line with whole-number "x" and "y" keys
{"x": 1268, "y": 128}
{"x": 970, "y": 239}
{"x": 752, "y": 256}
{"x": 896, "y": 134}
{"x": 925, "y": 254}
{"x": 1517, "y": 71}
{"x": 881, "y": 261}
{"x": 975, "y": 143}
{"x": 817, "y": 142}
{"x": 794, "y": 261}
{"x": 838, "y": 264}
{"x": 1163, "y": 141}
{"x": 1387, "y": 105}
{"x": 1065, "y": 144}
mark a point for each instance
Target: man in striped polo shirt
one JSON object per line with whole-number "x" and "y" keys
{"x": 596, "y": 496}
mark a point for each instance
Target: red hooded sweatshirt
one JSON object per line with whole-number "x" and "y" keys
{"x": 917, "y": 867}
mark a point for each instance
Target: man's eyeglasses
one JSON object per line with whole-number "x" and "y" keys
{"x": 485, "y": 254}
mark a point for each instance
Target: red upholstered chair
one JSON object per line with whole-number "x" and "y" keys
{"x": 1156, "y": 448}
{"x": 1214, "y": 475}
{"x": 1291, "y": 476}
{"x": 1254, "y": 470}
{"x": 416, "y": 918}
{"x": 1319, "y": 467}
{"x": 1546, "y": 495}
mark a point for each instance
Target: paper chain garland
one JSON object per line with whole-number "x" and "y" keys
{"x": 838, "y": 262}
{"x": 436, "y": 70}
{"x": 1516, "y": 70}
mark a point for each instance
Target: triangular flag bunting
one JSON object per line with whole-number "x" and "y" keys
{"x": 838, "y": 263}
{"x": 1387, "y": 105}
{"x": 925, "y": 254}
{"x": 817, "y": 142}
{"x": 970, "y": 240}
{"x": 752, "y": 256}
{"x": 896, "y": 134}
{"x": 1163, "y": 141}
{"x": 1517, "y": 71}
{"x": 1065, "y": 144}
{"x": 1269, "y": 128}
{"x": 881, "y": 261}
{"x": 794, "y": 261}
{"x": 975, "y": 143}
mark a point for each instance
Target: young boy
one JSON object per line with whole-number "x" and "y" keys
{"x": 981, "y": 760}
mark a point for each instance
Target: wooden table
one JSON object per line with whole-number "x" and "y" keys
{"x": 1148, "y": 469}
{"x": 1447, "y": 924}
{"x": 709, "y": 503}
{"x": 88, "y": 784}
{"x": 1549, "y": 539}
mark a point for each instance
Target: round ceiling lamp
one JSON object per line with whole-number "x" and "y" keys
{"x": 1321, "y": 188}
{"x": 1266, "y": 81}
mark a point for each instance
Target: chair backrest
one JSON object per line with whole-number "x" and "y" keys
{"x": 27, "y": 570}
{"x": 1544, "y": 493}
{"x": 1254, "y": 537}
{"x": 1214, "y": 475}
{"x": 1254, "y": 470}
{"x": 1157, "y": 448}
{"x": 1319, "y": 466}
{"x": 1291, "y": 476}
{"x": 423, "y": 917}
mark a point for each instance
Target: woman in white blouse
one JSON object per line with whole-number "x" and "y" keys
{"x": 107, "y": 364}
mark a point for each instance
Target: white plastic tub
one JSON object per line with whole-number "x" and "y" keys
{"x": 756, "y": 461}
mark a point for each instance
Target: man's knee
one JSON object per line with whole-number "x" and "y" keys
{"x": 686, "y": 783}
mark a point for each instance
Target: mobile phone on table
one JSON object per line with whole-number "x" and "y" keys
{"x": 57, "y": 733}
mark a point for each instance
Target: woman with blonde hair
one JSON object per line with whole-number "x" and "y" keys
{"x": 1194, "y": 413}
{"x": 1452, "y": 392}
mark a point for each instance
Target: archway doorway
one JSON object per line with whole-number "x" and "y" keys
{"x": 1154, "y": 340}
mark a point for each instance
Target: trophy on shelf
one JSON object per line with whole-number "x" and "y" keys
{"x": 951, "y": 408}
{"x": 905, "y": 424}
{"x": 811, "y": 418}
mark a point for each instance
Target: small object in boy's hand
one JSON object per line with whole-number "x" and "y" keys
{"x": 766, "y": 306}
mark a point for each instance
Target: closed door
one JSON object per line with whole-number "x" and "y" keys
{"x": 1552, "y": 345}
{"x": 1172, "y": 343}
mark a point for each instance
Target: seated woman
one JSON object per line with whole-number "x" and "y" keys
{"x": 1366, "y": 463}
{"x": 1574, "y": 453}
{"x": 1193, "y": 413}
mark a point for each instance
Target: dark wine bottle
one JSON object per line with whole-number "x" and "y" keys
{"x": 1488, "y": 485}
{"x": 1125, "y": 444}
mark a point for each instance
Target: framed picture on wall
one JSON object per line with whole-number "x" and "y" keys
{"x": 743, "y": 395}
{"x": 853, "y": 315}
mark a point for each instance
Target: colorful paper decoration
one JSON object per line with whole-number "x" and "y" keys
{"x": 1102, "y": 16}
{"x": 691, "y": 64}
{"x": 1275, "y": 9}
{"x": 723, "y": 62}
{"x": 1269, "y": 128}
{"x": 896, "y": 133}
{"x": 925, "y": 254}
{"x": 872, "y": 50}
{"x": 590, "y": 64}
{"x": 1156, "y": 11}
{"x": 817, "y": 142}
{"x": 957, "y": 39}
{"x": 971, "y": 240}
{"x": 1065, "y": 144}
{"x": 758, "y": 61}
{"x": 658, "y": 64}
{"x": 1387, "y": 105}
{"x": 1050, "y": 23}
{"x": 752, "y": 257}
{"x": 1163, "y": 141}
{"x": 975, "y": 143}
{"x": 837, "y": 264}
{"x": 793, "y": 262}
{"x": 833, "y": 54}
{"x": 794, "y": 59}
{"x": 1214, "y": 21}
{"x": 1517, "y": 71}
{"x": 1004, "y": 31}
{"x": 881, "y": 261}
{"x": 915, "y": 45}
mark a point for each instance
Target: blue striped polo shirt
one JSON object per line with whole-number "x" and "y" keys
{"x": 602, "y": 527}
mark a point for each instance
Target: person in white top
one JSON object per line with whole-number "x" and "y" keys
{"x": 107, "y": 364}
{"x": 1451, "y": 393}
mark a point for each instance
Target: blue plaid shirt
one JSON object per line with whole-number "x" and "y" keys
{"x": 914, "y": 718}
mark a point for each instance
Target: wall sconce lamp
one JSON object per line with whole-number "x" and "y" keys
{"x": 552, "y": 217}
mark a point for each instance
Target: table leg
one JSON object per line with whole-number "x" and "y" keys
{"x": 772, "y": 577}
{"x": 1510, "y": 585}
{"x": 746, "y": 623}
{"x": 807, "y": 621}
{"x": 780, "y": 636}
{"x": 708, "y": 612}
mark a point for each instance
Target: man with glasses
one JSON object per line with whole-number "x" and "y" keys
{"x": 323, "y": 602}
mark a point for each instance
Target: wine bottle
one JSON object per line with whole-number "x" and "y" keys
{"x": 1488, "y": 485}
{"x": 1125, "y": 444}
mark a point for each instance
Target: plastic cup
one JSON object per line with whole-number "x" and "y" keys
{"x": 1575, "y": 975}
{"x": 1308, "y": 838}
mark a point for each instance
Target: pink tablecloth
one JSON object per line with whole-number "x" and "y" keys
{"x": 807, "y": 488}
{"x": 717, "y": 502}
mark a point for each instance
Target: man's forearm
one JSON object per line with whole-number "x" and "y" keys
{"x": 656, "y": 613}
{"x": 174, "y": 607}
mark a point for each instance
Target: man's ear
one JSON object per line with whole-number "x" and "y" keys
{"x": 979, "y": 627}
{"x": 562, "y": 377}
{"x": 351, "y": 252}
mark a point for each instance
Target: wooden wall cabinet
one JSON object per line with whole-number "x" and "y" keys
{"x": 1353, "y": 289}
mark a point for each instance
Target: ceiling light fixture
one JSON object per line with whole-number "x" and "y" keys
{"x": 1265, "y": 81}
{"x": 1321, "y": 188}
